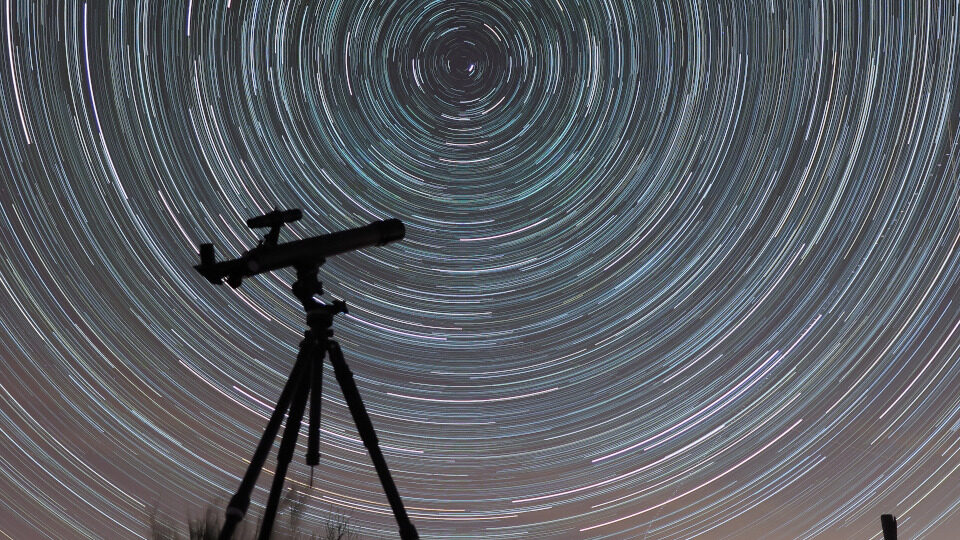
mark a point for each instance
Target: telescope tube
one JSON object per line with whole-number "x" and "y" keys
{"x": 311, "y": 251}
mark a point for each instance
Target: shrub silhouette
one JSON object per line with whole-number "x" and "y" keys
{"x": 289, "y": 524}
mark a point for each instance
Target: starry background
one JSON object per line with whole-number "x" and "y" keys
{"x": 671, "y": 269}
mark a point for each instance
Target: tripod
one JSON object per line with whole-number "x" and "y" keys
{"x": 306, "y": 378}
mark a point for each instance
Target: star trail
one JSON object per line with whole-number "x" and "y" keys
{"x": 672, "y": 269}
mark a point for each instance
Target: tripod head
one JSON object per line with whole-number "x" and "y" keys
{"x": 268, "y": 255}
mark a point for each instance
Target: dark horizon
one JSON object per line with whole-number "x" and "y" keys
{"x": 669, "y": 270}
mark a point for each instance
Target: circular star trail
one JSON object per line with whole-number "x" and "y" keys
{"x": 671, "y": 269}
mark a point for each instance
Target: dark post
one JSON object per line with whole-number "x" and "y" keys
{"x": 889, "y": 524}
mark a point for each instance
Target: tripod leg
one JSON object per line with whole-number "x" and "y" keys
{"x": 369, "y": 437}
{"x": 316, "y": 393}
{"x": 284, "y": 455}
{"x": 241, "y": 500}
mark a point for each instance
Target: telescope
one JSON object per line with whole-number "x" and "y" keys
{"x": 268, "y": 255}
{"x": 306, "y": 378}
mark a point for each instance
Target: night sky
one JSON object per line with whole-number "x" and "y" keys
{"x": 671, "y": 269}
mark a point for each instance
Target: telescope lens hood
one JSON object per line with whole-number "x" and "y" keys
{"x": 390, "y": 230}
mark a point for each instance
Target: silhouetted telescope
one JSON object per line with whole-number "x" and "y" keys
{"x": 306, "y": 377}
{"x": 309, "y": 252}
